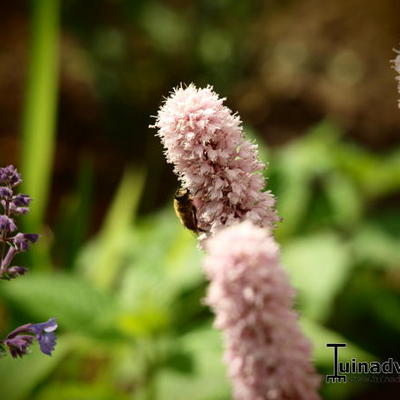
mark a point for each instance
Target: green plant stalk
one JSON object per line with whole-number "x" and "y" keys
{"x": 116, "y": 227}
{"x": 40, "y": 108}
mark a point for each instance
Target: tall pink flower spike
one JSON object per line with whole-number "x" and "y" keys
{"x": 204, "y": 141}
{"x": 267, "y": 356}
{"x": 396, "y": 67}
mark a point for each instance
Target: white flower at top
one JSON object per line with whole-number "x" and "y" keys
{"x": 204, "y": 141}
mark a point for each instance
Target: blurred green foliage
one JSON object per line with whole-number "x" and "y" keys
{"x": 128, "y": 299}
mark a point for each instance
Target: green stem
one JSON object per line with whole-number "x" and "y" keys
{"x": 40, "y": 108}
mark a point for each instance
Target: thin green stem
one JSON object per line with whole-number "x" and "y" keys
{"x": 40, "y": 108}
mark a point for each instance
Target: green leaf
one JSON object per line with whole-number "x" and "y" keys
{"x": 76, "y": 304}
{"x": 377, "y": 175}
{"x": 179, "y": 361}
{"x": 321, "y": 336}
{"x": 345, "y": 199}
{"x": 319, "y": 266}
{"x": 80, "y": 391}
{"x": 297, "y": 164}
{"x": 163, "y": 263}
{"x": 208, "y": 382}
{"x": 375, "y": 247}
{"x": 166, "y": 254}
{"x": 323, "y": 357}
{"x": 19, "y": 376}
{"x": 105, "y": 262}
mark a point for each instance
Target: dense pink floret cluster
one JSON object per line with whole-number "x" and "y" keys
{"x": 267, "y": 355}
{"x": 396, "y": 66}
{"x": 205, "y": 143}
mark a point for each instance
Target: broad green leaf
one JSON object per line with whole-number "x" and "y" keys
{"x": 165, "y": 254}
{"x": 76, "y": 304}
{"x": 377, "y": 175}
{"x": 375, "y": 247}
{"x": 345, "y": 199}
{"x": 80, "y": 391}
{"x": 319, "y": 266}
{"x": 208, "y": 381}
{"x": 19, "y": 376}
{"x": 183, "y": 260}
{"x": 323, "y": 357}
{"x": 158, "y": 259}
{"x": 321, "y": 336}
{"x": 164, "y": 262}
{"x": 297, "y": 164}
{"x": 105, "y": 262}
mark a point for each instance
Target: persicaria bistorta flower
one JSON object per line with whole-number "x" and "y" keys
{"x": 19, "y": 340}
{"x": 396, "y": 66}
{"x": 267, "y": 355}
{"x": 204, "y": 141}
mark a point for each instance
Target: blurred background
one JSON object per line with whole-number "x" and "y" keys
{"x": 79, "y": 84}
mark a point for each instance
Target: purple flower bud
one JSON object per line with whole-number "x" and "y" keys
{"x": 13, "y": 209}
{"x": 5, "y": 193}
{"x": 32, "y": 237}
{"x": 18, "y": 345}
{"x": 19, "y": 340}
{"x": 10, "y": 176}
{"x": 21, "y": 200}
{"x": 15, "y": 271}
{"x": 45, "y": 335}
{"x": 22, "y": 241}
{"x": 7, "y": 224}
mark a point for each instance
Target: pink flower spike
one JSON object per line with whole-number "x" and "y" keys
{"x": 204, "y": 141}
{"x": 396, "y": 66}
{"x": 267, "y": 356}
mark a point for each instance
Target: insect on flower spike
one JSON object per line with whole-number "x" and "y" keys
{"x": 205, "y": 142}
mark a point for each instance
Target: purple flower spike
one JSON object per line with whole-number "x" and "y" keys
{"x": 45, "y": 335}
{"x": 18, "y": 341}
{"x": 12, "y": 204}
